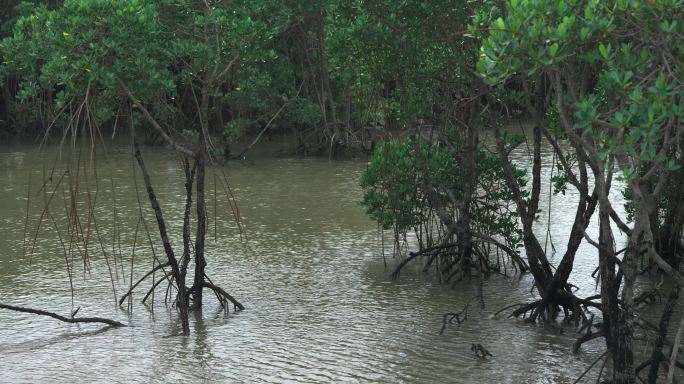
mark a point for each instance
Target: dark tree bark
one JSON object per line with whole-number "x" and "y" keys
{"x": 617, "y": 317}
{"x": 539, "y": 264}
{"x": 657, "y": 355}
{"x": 200, "y": 261}
{"x": 161, "y": 224}
{"x": 189, "y": 178}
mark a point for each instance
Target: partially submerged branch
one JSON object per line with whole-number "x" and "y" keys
{"x": 112, "y": 323}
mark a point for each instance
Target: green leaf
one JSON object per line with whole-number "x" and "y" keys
{"x": 499, "y": 24}
{"x": 553, "y": 49}
{"x": 584, "y": 33}
{"x": 604, "y": 51}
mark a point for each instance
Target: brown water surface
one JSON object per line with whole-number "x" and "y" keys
{"x": 320, "y": 305}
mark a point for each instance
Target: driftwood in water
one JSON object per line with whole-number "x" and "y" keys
{"x": 112, "y": 323}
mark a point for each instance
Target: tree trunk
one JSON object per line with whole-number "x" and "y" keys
{"x": 617, "y": 320}
{"x": 657, "y": 355}
{"x": 161, "y": 224}
{"x": 189, "y": 179}
{"x": 200, "y": 261}
{"x": 539, "y": 264}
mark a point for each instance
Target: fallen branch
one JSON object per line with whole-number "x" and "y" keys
{"x": 112, "y": 323}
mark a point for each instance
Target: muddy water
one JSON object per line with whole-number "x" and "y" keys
{"x": 309, "y": 269}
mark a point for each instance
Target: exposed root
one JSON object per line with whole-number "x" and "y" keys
{"x": 151, "y": 290}
{"x": 237, "y": 306}
{"x": 649, "y": 297}
{"x": 130, "y": 291}
{"x": 112, "y": 323}
{"x": 431, "y": 251}
{"x": 648, "y": 363}
{"x": 586, "y": 337}
{"x": 524, "y": 308}
{"x": 507, "y": 308}
{"x": 480, "y": 351}
{"x": 168, "y": 249}
{"x": 573, "y": 307}
{"x": 222, "y": 296}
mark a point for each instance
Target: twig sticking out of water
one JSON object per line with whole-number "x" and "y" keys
{"x": 459, "y": 316}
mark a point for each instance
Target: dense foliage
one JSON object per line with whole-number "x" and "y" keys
{"x": 394, "y": 186}
{"x": 415, "y": 84}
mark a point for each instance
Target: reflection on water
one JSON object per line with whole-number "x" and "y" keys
{"x": 320, "y": 306}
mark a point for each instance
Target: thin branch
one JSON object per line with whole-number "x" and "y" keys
{"x": 154, "y": 123}
{"x": 113, "y": 323}
{"x": 256, "y": 139}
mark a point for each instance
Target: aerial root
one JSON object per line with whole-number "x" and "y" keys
{"x": 130, "y": 291}
{"x": 151, "y": 290}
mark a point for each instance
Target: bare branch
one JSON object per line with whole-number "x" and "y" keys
{"x": 154, "y": 123}
{"x": 113, "y": 323}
